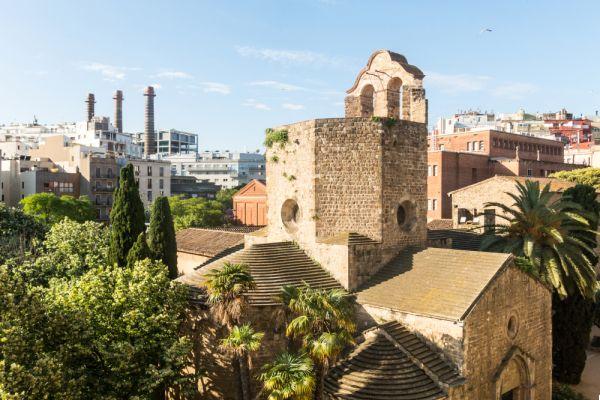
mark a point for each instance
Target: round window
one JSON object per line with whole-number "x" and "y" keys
{"x": 290, "y": 215}
{"x": 512, "y": 327}
{"x": 406, "y": 215}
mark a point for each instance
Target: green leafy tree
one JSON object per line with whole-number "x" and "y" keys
{"x": 585, "y": 176}
{"x": 69, "y": 250}
{"x": 572, "y": 318}
{"x": 196, "y": 213}
{"x": 133, "y": 316}
{"x": 50, "y": 209}
{"x": 241, "y": 341}
{"x": 225, "y": 197}
{"x": 139, "y": 251}
{"x": 43, "y": 354}
{"x": 289, "y": 376}
{"x": 161, "y": 235}
{"x": 226, "y": 287}
{"x": 127, "y": 218}
{"x": 323, "y": 321}
{"x": 19, "y": 233}
{"x": 550, "y": 234}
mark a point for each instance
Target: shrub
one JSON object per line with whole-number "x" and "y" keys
{"x": 273, "y": 136}
{"x": 564, "y": 392}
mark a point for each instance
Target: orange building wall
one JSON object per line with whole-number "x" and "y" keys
{"x": 250, "y": 204}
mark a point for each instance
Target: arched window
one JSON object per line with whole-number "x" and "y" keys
{"x": 394, "y": 98}
{"x": 367, "y": 101}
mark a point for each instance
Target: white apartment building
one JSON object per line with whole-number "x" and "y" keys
{"x": 18, "y": 139}
{"x": 171, "y": 142}
{"x": 226, "y": 169}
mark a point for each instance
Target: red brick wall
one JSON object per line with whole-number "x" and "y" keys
{"x": 454, "y": 170}
{"x": 502, "y": 144}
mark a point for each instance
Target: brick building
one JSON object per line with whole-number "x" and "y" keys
{"x": 460, "y": 159}
{"x": 250, "y": 204}
{"x": 354, "y": 217}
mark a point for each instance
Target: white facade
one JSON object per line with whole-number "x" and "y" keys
{"x": 226, "y": 169}
{"x": 171, "y": 142}
{"x": 99, "y": 132}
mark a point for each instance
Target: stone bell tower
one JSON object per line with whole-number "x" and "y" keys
{"x": 351, "y": 192}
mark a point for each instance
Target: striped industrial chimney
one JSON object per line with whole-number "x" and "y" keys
{"x": 149, "y": 134}
{"x": 90, "y": 106}
{"x": 118, "y": 97}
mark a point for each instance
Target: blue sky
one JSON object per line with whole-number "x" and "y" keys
{"x": 229, "y": 69}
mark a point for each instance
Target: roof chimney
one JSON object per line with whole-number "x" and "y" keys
{"x": 149, "y": 134}
{"x": 118, "y": 97}
{"x": 90, "y": 106}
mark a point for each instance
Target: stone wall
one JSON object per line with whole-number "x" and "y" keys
{"x": 474, "y": 198}
{"x": 491, "y": 346}
{"x": 349, "y": 175}
{"x": 444, "y": 336}
{"x": 187, "y": 262}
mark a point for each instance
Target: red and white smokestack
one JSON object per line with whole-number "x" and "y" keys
{"x": 90, "y": 106}
{"x": 118, "y": 97}
{"x": 149, "y": 134}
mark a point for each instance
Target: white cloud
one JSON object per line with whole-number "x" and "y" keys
{"x": 215, "y": 87}
{"x": 291, "y": 106}
{"x": 109, "y": 72}
{"x": 514, "y": 90}
{"x": 278, "y": 85}
{"x": 457, "y": 83}
{"x": 256, "y": 104}
{"x": 288, "y": 57}
{"x": 173, "y": 75}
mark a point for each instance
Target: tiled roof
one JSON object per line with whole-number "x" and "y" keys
{"x": 348, "y": 238}
{"x": 207, "y": 242}
{"x": 437, "y": 282}
{"x": 440, "y": 224}
{"x": 272, "y": 265}
{"x": 556, "y": 185}
{"x": 458, "y": 239}
{"x": 392, "y": 363}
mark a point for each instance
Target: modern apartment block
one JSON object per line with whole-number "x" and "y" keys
{"x": 460, "y": 159}
{"x": 172, "y": 141}
{"x": 21, "y": 177}
{"x": 226, "y": 169}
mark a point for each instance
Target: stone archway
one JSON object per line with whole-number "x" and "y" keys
{"x": 513, "y": 378}
{"x": 367, "y": 101}
{"x": 394, "y": 98}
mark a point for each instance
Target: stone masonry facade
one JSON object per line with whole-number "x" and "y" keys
{"x": 349, "y": 175}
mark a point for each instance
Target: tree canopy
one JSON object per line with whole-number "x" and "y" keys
{"x": 161, "y": 235}
{"x": 550, "y": 233}
{"x": 196, "y": 212}
{"x": 19, "y": 232}
{"x": 127, "y": 217}
{"x": 585, "y": 176}
{"x": 110, "y": 334}
{"x": 50, "y": 209}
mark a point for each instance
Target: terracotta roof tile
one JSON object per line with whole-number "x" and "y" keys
{"x": 443, "y": 283}
{"x": 207, "y": 242}
{"x": 272, "y": 265}
{"x": 391, "y": 363}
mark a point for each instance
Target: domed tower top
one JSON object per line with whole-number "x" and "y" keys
{"x": 388, "y": 86}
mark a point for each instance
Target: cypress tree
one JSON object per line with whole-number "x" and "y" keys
{"x": 127, "y": 218}
{"x": 572, "y": 318}
{"x": 161, "y": 235}
{"x": 139, "y": 250}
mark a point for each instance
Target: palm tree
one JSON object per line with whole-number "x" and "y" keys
{"x": 242, "y": 340}
{"x": 289, "y": 376}
{"x": 324, "y": 321}
{"x": 550, "y": 234}
{"x": 226, "y": 287}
